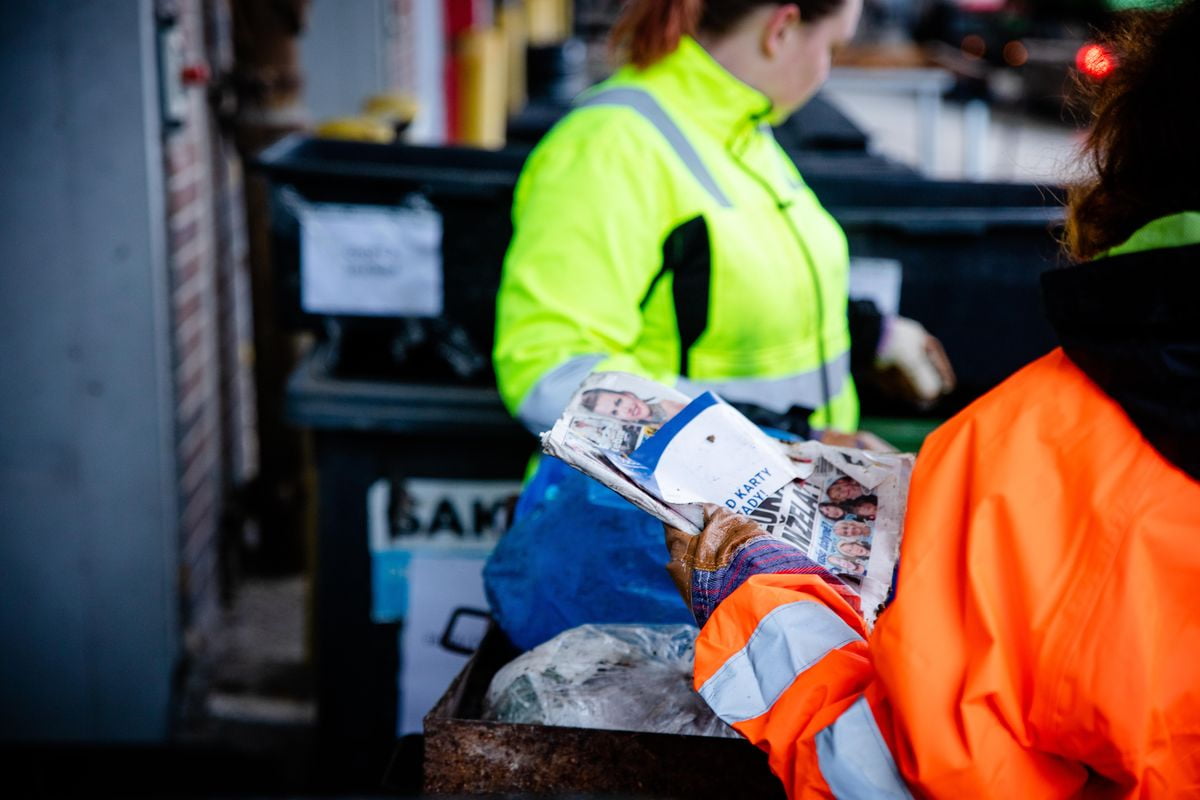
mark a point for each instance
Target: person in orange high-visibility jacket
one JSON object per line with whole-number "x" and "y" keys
{"x": 1044, "y": 639}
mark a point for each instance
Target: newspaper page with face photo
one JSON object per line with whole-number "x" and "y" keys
{"x": 669, "y": 454}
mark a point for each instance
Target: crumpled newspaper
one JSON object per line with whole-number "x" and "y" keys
{"x": 615, "y": 677}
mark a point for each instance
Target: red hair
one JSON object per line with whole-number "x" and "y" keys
{"x": 651, "y": 29}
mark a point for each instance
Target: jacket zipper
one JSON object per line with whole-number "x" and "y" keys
{"x": 782, "y": 207}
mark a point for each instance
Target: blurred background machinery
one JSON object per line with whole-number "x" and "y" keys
{"x": 1027, "y": 54}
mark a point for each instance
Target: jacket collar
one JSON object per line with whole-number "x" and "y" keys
{"x": 693, "y": 84}
{"x": 1173, "y": 230}
{"x": 1130, "y": 322}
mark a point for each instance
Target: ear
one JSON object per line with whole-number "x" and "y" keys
{"x": 778, "y": 28}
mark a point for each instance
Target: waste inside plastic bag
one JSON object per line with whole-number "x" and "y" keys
{"x": 616, "y": 677}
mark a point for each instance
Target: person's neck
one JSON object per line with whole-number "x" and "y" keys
{"x": 734, "y": 54}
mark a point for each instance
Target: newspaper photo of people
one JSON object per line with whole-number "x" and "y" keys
{"x": 627, "y": 406}
{"x": 853, "y": 527}
{"x": 609, "y": 434}
{"x": 860, "y": 499}
{"x": 669, "y": 455}
{"x": 618, "y": 418}
{"x": 611, "y": 415}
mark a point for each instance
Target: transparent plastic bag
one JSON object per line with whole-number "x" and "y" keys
{"x": 615, "y": 677}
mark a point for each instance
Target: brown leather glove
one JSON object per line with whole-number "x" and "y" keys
{"x": 724, "y": 534}
{"x": 709, "y": 566}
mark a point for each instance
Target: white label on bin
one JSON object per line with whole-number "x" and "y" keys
{"x": 877, "y": 279}
{"x": 429, "y": 539}
{"x": 445, "y": 518}
{"x": 370, "y": 260}
{"x": 416, "y": 512}
{"x": 439, "y": 585}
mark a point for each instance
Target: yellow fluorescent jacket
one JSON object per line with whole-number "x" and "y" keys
{"x": 660, "y": 229}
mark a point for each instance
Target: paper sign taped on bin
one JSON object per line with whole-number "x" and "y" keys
{"x": 370, "y": 260}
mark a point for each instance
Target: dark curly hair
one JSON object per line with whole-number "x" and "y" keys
{"x": 1144, "y": 143}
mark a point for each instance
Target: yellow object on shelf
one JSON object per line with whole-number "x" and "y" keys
{"x": 548, "y": 21}
{"x": 395, "y": 108}
{"x": 482, "y": 55}
{"x": 358, "y": 129}
{"x": 511, "y": 20}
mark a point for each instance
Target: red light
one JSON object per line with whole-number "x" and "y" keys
{"x": 1095, "y": 61}
{"x": 195, "y": 74}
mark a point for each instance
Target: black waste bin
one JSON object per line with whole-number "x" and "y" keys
{"x": 970, "y": 253}
{"x": 971, "y": 256}
{"x": 394, "y": 403}
{"x": 367, "y": 434}
{"x": 469, "y": 189}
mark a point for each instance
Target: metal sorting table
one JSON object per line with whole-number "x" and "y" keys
{"x": 465, "y": 755}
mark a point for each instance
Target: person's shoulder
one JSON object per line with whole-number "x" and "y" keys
{"x": 600, "y": 129}
{"x": 1028, "y": 392}
{"x": 594, "y": 154}
{"x": 1049, "y": 404}
{"x": 594, "y": 145}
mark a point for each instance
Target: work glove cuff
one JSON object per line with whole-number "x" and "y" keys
{"x": 710, "y": 565}
{"x": 758, "y": 556}
{"x": 711, "y": 549}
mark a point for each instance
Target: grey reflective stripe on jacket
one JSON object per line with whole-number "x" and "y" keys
{"x": 851, "y": 753}
{"x": 787, "y": 641}
{"x": 779, "y": 395}
{"x": 548, "y": 397}
{"x": 802, "y": 389}
{"x": 643, "y": 103}
{"x": 855, "y": 760}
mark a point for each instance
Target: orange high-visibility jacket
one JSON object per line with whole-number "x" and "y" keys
{"x": 1044, "y": 640}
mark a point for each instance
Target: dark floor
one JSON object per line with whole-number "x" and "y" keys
{"x": 245, "y": 726}
{"x": 249, "y": 694}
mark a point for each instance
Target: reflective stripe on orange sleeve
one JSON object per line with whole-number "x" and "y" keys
{"x": 786, "y": 642}
{"x": 784, "y": 661}
{"x": 854, "y": 759}
{"x": 851, "y": 754}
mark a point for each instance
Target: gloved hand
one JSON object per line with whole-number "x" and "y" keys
{"x": 912, "y": 362}
{"x": 708, "y": 566}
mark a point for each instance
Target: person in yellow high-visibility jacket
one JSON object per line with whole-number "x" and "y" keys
{"x": 659, "y": 228}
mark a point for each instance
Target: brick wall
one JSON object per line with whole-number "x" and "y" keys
{"x": 401, "y": 71}
{"x": 211, "y": 326}
{"x": 235, "y": 326}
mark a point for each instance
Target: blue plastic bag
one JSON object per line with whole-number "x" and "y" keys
{"x": 578, "y": 553}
